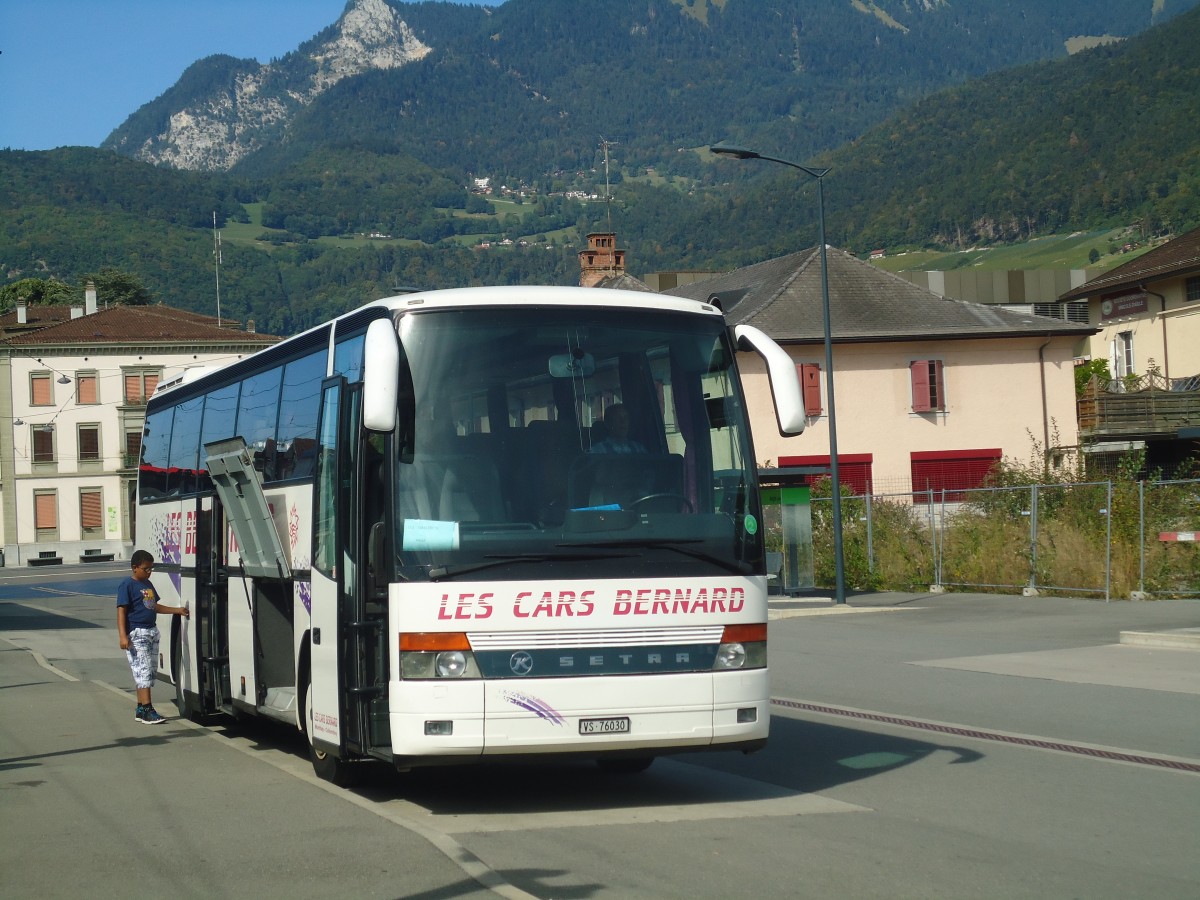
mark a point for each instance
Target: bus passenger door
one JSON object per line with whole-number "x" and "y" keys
{"x": 348, "y": 661}
{"x": 322, "y": 700}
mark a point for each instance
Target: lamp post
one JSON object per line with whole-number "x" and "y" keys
{"x": 839, "y": 566}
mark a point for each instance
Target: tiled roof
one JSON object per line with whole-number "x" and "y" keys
{"x": 782, "y": 296}
{"x": 623, "y": 282}
{"x": 53, "y": 325}
{"x": 1177, "y": 257}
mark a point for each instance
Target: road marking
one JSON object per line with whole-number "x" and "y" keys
{"x": 1095, "y": 751}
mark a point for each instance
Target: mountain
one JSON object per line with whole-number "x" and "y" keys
{"x": 360, "y": 185}
{"x": 223, "y": 109}
{"x": 526, "y": 89}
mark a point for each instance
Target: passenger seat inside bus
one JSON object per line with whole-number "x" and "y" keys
{"x": 451, "y": 488}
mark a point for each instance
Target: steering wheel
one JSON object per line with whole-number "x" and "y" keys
{"x": 684, "y": 502}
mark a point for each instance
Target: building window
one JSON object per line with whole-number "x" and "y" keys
{"x": 43, "y": 443}
{"x": 91, "y": 512}
{"x": 140, "y": 385}
{"x": 41, "y": 390}
{"x": 133, "y": 448}
{"x": 928, "y": 385}
{"x": 810, "y": 385}
{"x": 948, "y": 473}
{"x": 1193, "y": 289}
{"x": 89, "y": 443}
{"x": 854, "y": 470}
{"x": 88, "y": 391}
{"x": 45, "y": 514}
{"x": 1122, "y": 350}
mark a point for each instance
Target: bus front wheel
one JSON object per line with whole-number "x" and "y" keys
{"x": 327, "y": 766}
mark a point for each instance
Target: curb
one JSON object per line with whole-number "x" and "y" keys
{"x": 1181, "y": 639}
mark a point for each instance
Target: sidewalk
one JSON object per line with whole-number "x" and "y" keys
{"x": 99, "y": 805}
{"x": 815, "y": 603}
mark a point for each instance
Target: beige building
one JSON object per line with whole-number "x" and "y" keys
{"x": 1147, "y": 316}
{"x": 930, "y": 392}
{"x": 73, "y": 389}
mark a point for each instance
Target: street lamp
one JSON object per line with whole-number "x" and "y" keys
{"x": 839, "y": 565}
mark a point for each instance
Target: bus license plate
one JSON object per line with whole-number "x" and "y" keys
{"x": 604, "y": 726}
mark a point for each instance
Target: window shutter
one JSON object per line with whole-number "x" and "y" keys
{"x": 87, "y": 389}
{"x": 133, "y": 389}
{"x": 90, "y": 509}
{"x": 810, "y": 384}
{"x": 43, "y": 443}
{"x": 133, "y": 443}
{"x": 45, "y": 510}
{"x": 89, "y": 442}
{"x": 42, "y": 395}
{"x": 151, "y": 384}
{"x": 920, "y": 385}
{"x": 937, "y": 391}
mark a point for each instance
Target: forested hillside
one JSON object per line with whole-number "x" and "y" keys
{"x": 359, "y": 201}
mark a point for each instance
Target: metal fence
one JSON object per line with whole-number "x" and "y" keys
{"x": 1103, "y": 539}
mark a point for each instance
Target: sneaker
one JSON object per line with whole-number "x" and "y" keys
{"x": 139, "y": 712}
{"x": 151, "y": 717}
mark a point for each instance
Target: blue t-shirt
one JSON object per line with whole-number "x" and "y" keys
{"x": 139, "y": 599}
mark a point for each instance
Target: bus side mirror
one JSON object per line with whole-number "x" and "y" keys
{"x": 381, "y": 376}
{"x": 781, "y": 371}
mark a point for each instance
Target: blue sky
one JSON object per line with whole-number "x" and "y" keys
{"x": 73, "y": 70}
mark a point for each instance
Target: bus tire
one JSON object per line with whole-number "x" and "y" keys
{"x": 327, "y": 766}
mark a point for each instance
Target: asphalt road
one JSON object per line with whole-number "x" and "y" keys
{"x": 922, "y": 746}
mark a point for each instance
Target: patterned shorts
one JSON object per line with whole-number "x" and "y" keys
{"x": 142, "y": 655}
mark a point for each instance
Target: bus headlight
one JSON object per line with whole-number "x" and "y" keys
{"x": 450, "y": 664}
{"x": 742, "y": 647}
{"x": 730, "y": 656}
{"x": 437, "y": 655}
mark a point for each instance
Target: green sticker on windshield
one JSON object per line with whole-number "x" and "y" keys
{"x": 750, "y": 524}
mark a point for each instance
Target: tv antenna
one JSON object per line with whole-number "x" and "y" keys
{"x": 217, "y": 264}
{"x": 605, "y": 143}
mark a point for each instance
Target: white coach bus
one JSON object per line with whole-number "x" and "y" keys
{"x": 401, "y": 533}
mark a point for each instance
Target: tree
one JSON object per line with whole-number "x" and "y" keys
{"x": 117, "y": 288}
{"x": 36, "y": 292}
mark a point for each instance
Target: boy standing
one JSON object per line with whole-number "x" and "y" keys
{"x": 137, "y": 625}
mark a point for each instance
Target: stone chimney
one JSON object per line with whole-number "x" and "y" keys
{"x": 76, "y": 312}
{"x": 250, "y": 326}
{"x": 89, "y": 298}
{"x": 22, "y": 312}
{"x": 601, "y": 259}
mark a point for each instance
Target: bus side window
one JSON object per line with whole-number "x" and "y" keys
{"x": 299, "y": 402}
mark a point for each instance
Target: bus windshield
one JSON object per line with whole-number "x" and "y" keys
{"x": 594, "y": 441}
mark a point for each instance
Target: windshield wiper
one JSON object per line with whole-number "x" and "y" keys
{"x": 437, "y": 573}
{"x": 671, "y": 544}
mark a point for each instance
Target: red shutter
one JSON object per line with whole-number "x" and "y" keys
{"x": 42, "y": 395}
{"x": 87, "y": 389}
{"x": 90, "y": 510}
{"x": 133, "y": 389}
{"x": 920, "y": 385}
{"x": 45, "y": 511}
{"x": 151, "y": 384}
{"x": 810, "y": 384}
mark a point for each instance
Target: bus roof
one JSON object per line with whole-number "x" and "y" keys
{"x": 526, "y": 295}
